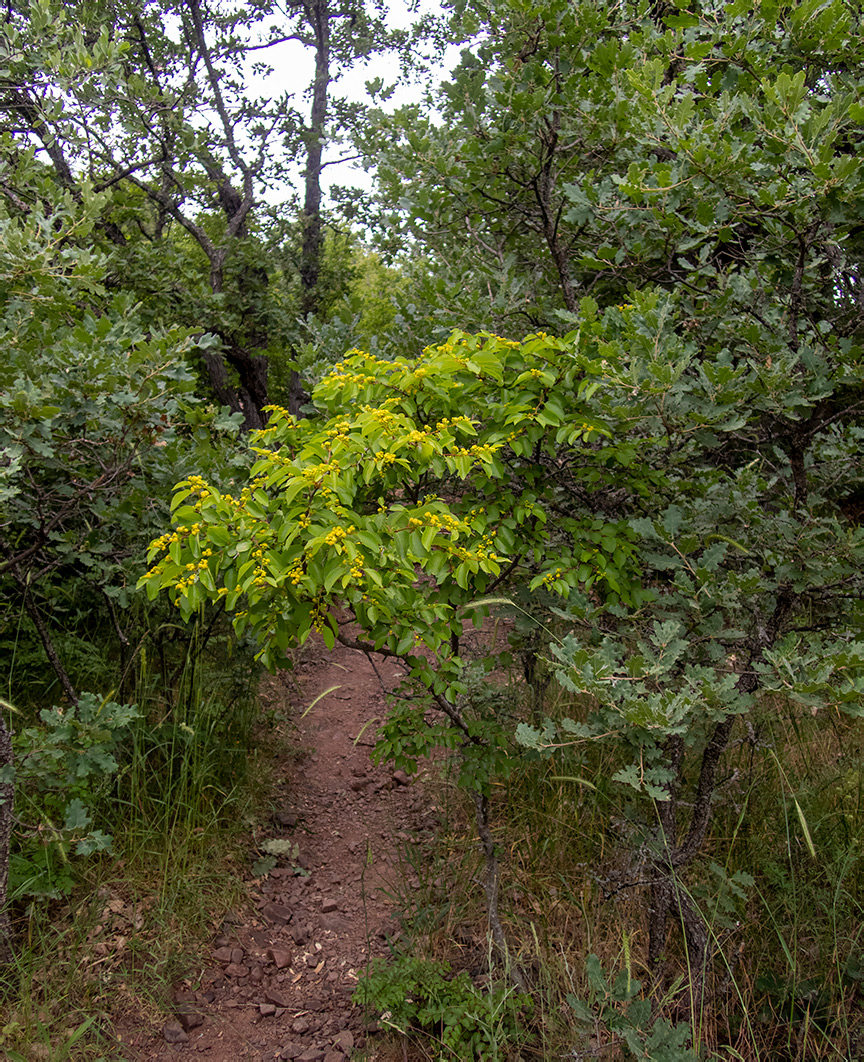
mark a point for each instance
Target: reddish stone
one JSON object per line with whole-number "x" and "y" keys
{"x": 174, "y": 1033}
{"x": 278, "y": 913}
{"x": 188, "y": 1017}
{"x": 276, "y": 998}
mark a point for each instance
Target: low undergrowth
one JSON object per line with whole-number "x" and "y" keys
{"x": 129, "y": 846}
{"x": 779, "y": 887}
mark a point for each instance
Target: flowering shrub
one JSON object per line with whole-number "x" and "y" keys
{"x": 424, "y": 486}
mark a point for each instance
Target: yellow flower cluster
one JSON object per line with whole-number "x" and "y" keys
{"x": 295, "y": 574}
{"x": 318, "y": 614}
{"x": 445, "y": 520}
{"x": 316, "y": 471}
{"x": 550, "y": 578}
{"x": 197, "y": 484}
{"x": 342, "y": 377}
{"x": 281, "y": 419}
{"x": 384, "y": 417}
{"x": 192, "y": 570}
{"x": 340, "y": 369}
{"x": 449, "y": 422}
{"x": 385, "y": 458}
{"x": 272, "y": 455}
{"x": 484, "y": 550}
{"x": 474, "y": 451}
{"x": 336, "y": 535}
{"x": 170, "y": 537}
{"x": 164, "y": 541}
{"x": 339, "y": 430}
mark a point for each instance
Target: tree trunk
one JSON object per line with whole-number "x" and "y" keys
{"x": 318, "y": 16}
{"x": 310, "y": 258}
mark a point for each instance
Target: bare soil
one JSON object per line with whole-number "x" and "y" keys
{"x": 278, "y": 980}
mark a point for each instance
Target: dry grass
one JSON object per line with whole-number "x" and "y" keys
{"x": 783, "y": 982}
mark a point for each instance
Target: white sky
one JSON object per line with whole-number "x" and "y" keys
{"x": 293, "y": 69}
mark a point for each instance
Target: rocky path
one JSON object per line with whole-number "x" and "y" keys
{"x": 279, "y": 985}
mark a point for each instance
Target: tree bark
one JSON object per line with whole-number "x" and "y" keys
{"x": 318, "y": 17}
{"x": 310, "y": 258}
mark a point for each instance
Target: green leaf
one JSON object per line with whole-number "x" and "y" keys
{"x": 672, "y": 520}
{"x": 76, "y": 817}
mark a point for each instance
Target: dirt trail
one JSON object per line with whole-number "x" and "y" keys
{"x": 280, "y": 984}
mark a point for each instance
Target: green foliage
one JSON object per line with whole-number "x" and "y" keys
{"x": 720, "y": 543}
{"x": 62, "y": 767}
{"x": 448, "y": 463}
{"x": 359, "y": 296}
{"x": 619, "y": 1007}
{"x": 97, "y": 418}
{"x": 417, "y": 995}
{"x": 331, "y": 505}
{"x": 591, "y": 150}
